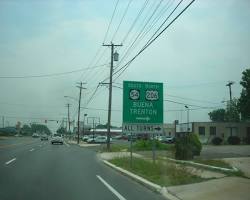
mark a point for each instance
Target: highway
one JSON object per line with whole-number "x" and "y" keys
{"x": 33, "y": 169}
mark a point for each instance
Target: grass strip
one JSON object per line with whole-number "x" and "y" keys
{"x": 161, "y": 173}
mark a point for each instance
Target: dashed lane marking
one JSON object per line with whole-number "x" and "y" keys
{"x": 10, "y": 161}
{"x": 117, "y": 194}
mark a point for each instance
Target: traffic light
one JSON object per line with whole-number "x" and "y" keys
{"x": 45, "y": 120}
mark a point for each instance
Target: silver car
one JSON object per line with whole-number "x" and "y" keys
{"x": 57, "y": 139}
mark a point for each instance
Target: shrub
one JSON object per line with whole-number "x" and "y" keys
{"x": 142, "y": 145}
{"x": 247, "y": 140}
{"x": 196, "y": 144}
{"x": 233, "y": 140}
{"x": 187, "y": 146}
{"x": 217, "y": 141}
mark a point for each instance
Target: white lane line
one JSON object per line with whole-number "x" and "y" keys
{"x": 120, "y": 197}
{"x": 32, "y": 149}
{"x": 10, "y": 161}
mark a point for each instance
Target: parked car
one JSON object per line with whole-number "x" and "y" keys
{"x": 85, "y": 138}
{"x": 167, "y": 139}
{"x": 91, "y": 139}
{"x": 101, "y": 139}
{"x": 44, "y": 137}
{"x": 57, "y": 138}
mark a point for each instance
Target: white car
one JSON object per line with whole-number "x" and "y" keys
{"x": 57, "y": 138}
{"x": 102, "y": 139}
{"x": 85, "y": 138}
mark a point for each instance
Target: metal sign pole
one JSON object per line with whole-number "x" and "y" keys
{"x": 131, "y": 152}
{"x": 153, "y": 148}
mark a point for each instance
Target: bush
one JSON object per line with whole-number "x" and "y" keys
{"x": 196, "y": 144}
{"x": 217, "y": 141}
{"x": 247, "y": 140}
{"x": 142, "y": 145}
{"x": 233, "y": 140}
{"x": 187, "y": 146}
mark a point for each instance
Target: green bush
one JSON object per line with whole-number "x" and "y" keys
{"x": 217, "y": 141}
{"x": 196, "y": 144}
{"x": 246, "y": 140}
{"x": 187, "y": 146}
{"x": 144, "y": 145}
{"x": 233, "y": 140}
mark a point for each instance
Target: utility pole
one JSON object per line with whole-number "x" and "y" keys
{"x": 79, "y": 110}
{"x": 230, "y": 83}
{"x": 68, "y": 115}
{"x": 110, "y": 88}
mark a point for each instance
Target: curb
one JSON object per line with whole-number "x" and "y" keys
{"x": 148, "y": 184}
{"x": 203, "y": 165}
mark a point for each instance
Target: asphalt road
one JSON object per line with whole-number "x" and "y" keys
{"x": 31, "y": 169}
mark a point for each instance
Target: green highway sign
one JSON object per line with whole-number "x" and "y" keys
{"x": 142, "y": 106}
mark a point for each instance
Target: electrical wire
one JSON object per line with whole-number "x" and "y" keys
{"x": 122, "y": 69}
{"x": 124, "y": 14}
{"x": 50, "y": 75}
{"x": 110, "y": 22}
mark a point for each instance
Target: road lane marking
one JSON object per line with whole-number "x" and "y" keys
{"x": 10, "y": 161}
{"x": 120, "y": 197}
{"x": 32, "y": 149}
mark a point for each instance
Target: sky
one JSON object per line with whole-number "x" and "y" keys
{"x": 61, "y": 41}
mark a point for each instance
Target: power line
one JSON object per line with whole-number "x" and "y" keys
{"x": 141, "y": 31}
{"x": 176, "y": 102}
{"x": 50, "y": 75}
{"x": 135, "y": 21}
{"x": 110, "y": 22}
{"x": 124, "y": 14}
{"x": 151, "y": 41}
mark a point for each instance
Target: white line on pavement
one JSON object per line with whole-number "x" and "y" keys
{"x": 10, "y": 161}
{"x": 32, "y": 149}
{"x": 120, "y": 197}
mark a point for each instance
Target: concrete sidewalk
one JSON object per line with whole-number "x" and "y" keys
{"x": 228, "y": 188}
{"x": 241, "y": 163}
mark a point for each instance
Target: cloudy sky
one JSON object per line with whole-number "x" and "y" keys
{"x": 47, "y": 47}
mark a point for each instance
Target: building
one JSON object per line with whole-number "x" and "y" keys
{"x": 208, "y": 130}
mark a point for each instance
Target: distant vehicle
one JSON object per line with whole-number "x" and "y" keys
{"x": 170, "y": 139}
{"x": 102, "y": 139}
{"x": 44, "y": 137}
{"x": 35, "y": 135}
{"x": 57, "y": 138}
{"x": 85, "y": 138}
{"x": 91, "y": 138}
{"x": 166, "y": 139}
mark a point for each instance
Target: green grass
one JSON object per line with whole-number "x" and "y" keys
{"x": 147, "y": 145}
{"x": 113, "y": 148}
{"x": 161, "y": 173}
{"x": 216, "y": 163}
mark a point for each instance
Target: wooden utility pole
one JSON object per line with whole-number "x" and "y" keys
{"x": 68, "y": 115}
{"x": 79, "y": 110}
{"x": 110, "y": 90}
